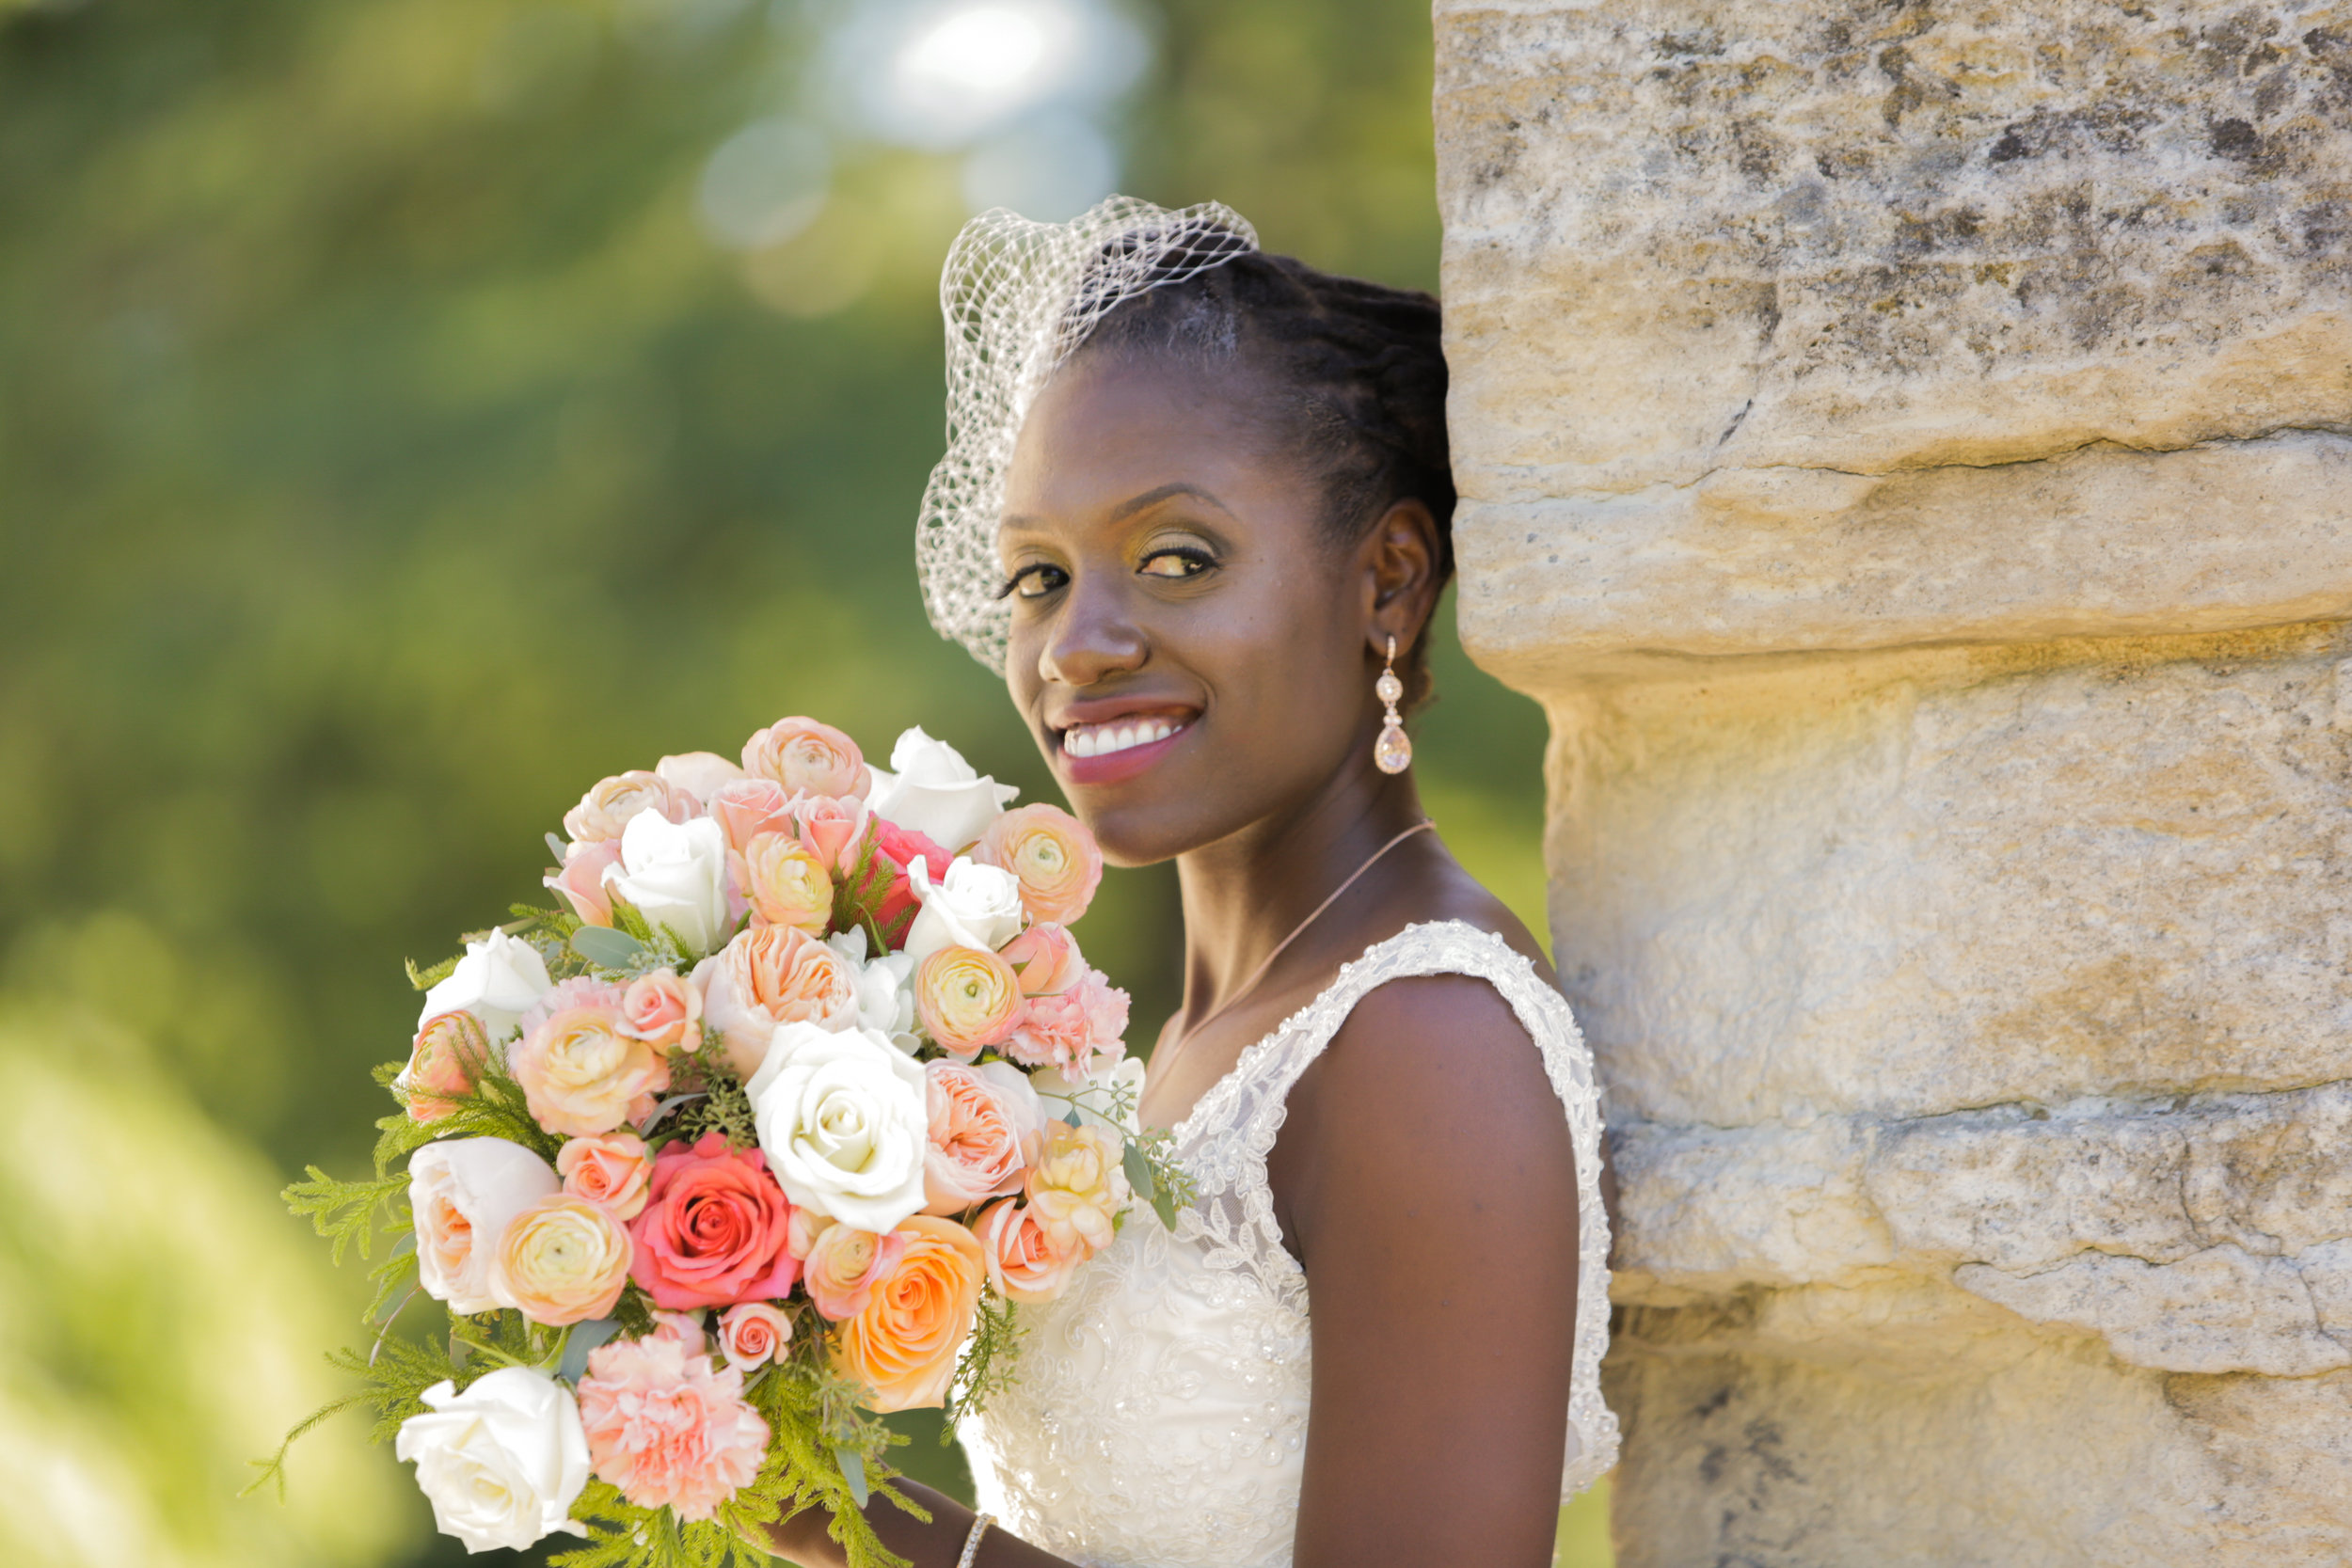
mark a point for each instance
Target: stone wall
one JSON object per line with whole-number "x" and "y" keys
{"x": 1908, "y": 448}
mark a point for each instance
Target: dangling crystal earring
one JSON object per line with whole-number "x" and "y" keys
{"x": 1393, "y": 750}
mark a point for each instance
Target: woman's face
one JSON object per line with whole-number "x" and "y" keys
{"x": 1187, "y": 647}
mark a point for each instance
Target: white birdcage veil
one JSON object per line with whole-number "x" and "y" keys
{"x": 1019, "y": 298}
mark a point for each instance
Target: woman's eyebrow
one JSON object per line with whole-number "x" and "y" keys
{"x": 1153, "y": 498}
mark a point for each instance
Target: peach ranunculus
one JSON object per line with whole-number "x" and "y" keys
{"x": 769, "y": 975}
{"x": 613, "y": 1170}
{"x": 1046, "y": 957}
{"x": 1058, "y": 861}
{"x": 714, "y": 1231}
{"x": 443, "y": 1065}
{"x": 986, "y": 1125}
{"x": 834, "y": 828}
{"x": 1026, "y": 1262}
{"x": 1077, "y": 1185}
{"x": 968, "y": 999}
{"x": 749, "y": 807}
{"x": 581, "y": 1073}
{"x": 561, "y": 1260}
{"x": 788, "y": 884}
{"x": 580, "y": 882}
{"x": 808, "y": 758}
{"x": 903, "y": 1344}
{"x": 606, "y": 809}
{"x": 843, "y": 1264}
{"x": 668, "y": 1425}
{"x": 664, "y": 1010}
{"x": 1080, "y": 1031}
{"x": 753, "y": 1333}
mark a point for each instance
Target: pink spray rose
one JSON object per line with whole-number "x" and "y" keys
{"x": 986, "y": 1125}
{"x": 662, "y": 1009}
{"x": 1080, "y": 1030}
{"x": 1026, "y": 1261}
{"x": 833, "y": 827}
{"x": 610, "y": 1168}
{"x": 749, "y": 807}
{"x": 769, "y": 975}
{"x": 714, "y": 1230}
{"x": 1056, "y": 860}
{"x": 843, "y": 1264}
{"x": 753, "y": 1333}
{"x": 443, "y": 1063}
{"x": 608, "y": 804}
{"x": 581, "y": 1073}
{"x": 1046, "y": 957}
{"x": 580, "y": 882}
{"x": 666, "y": 1425}
{"x": 807, "y": 758}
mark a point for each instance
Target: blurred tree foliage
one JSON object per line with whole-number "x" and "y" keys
{"x": 386, "y": 454}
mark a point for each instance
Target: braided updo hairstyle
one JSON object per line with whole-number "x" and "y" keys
{"x": 1353, "y": 375}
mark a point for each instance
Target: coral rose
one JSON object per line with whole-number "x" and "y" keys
{"x": 714, "y": 1230}
{"x": 443, "y": 1064}
{"x": 1058, "y": 861}
{"x": 662, "y": 1009}
{"x": 1025, "y": 1263}
{"x": 581, "y": 881}
{"x": 667, "y": 1426}
{"x": 788, "y": 884}
{"x": 583, "y": 1074}
{"x": 807, "y": 758}
{"x": 749, "y": 807}
{"x": 605, "y": 810}
{"x": 614, "y": 1169}
{"x": 843, "y": 1264}
{"x": 902, "y": 848}
{"x": 986, "y": 1125}
{"x": 772, "y": 976}
{"x": 967, "y": 997}
{"x": 561, "y": 1260}
{"x": 1077, "y": 1030}
{"x": 903, "y": 1345}
{"x": 753, "y": 1334}
{"x": 1078, "y": 1184}
{"x": 1046, "y": 957}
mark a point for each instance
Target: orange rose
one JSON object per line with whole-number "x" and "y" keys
{"x": 968, "y": 998}
{"x": 807, "y": 758}
{"x": 903, "y": 1345}
{"x": 788, "y": 886}
{"x": 1026, "y": 1262}
{"x": 774, "y": 974}
{"x": 1056, "y": 860}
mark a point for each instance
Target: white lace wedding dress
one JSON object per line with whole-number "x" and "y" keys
{"x": 1159, "y": 1417}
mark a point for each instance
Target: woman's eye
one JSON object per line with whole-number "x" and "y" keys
{"x": 1035, "y": 583}
{"x": 1175, "y": 563}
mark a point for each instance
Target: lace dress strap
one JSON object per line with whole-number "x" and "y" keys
{"x": 1224, "y": 1144}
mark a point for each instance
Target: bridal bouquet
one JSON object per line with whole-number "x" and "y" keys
{"x": 762, "y": 1130}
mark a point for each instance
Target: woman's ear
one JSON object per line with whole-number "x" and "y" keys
{"x": 1400, "y": 575}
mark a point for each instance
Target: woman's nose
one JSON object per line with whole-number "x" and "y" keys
{"x": 1093, "y": 636}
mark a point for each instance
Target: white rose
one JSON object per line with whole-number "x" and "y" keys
{"x": 675, "y": 873}
{"x": 464, "y": 1193}
{"x": 886, "y": 990}
{"x": 504, "y": 1461}
{"x": 933, "y": 791}
{"x": 844, "y": 1124}
{"x": 972, "y": 906}
{"x": 498, "y": 981}
{"x": 701, "y": 774}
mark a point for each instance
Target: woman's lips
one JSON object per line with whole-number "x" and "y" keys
{"x": 1109, "y": 752}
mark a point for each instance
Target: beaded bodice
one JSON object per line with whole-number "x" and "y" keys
{"x": 1159, "y": 1415}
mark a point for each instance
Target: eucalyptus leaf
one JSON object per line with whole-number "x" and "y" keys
{"x": 853, "y": 1471}
{"x": 1073, "y": 1117}
{"x": 653, "y": 1118}
{"x": 605, "y": 947}
{"x": 1139, "y": 1175}
{"x": 557, "y": 847}
{"x": 583, "y": 1338}
{"x": 1164, "y": 1206}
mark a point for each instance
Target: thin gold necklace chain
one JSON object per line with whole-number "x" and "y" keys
{"x": 1252, "y": 984}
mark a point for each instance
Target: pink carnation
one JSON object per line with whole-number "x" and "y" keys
{"x": 668, "y": 1425}
{"x": 1080, "y": 1031}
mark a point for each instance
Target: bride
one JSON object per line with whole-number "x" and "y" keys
{"x": 1196, "y": 509}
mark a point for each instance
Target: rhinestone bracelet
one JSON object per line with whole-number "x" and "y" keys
{"x": 972, "y": 1542}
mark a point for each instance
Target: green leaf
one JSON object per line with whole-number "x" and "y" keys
{"x": 576, "y": 1344}
{"x": 1072, "y": 1117}
{"x": 853, "y": 1471}
{"x": 605, "y": 947}
{"x": 1164, "y": 1206}
{"x": 1139, "y": 1175}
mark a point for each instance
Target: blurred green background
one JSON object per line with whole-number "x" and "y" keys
{"x": 411, "y": 410}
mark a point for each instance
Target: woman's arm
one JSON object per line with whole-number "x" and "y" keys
{"x": 1426, "y": 1178}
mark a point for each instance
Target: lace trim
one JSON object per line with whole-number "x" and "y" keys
{"x": 1226, "y": 1139}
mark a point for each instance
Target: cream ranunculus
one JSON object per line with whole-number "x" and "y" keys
{"x": 885, "y": 989}
{"x": 496, "y": 981}
{"x": 932, "y": 790}
{"x": 843, "y": 1123}
{"x": 675, "y": 873}
{"x": 972, "y": 906}
{"x": 464, "y": 1192}
{"x": 501, "y": 1463}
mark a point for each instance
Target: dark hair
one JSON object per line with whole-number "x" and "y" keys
{"x": 1356, "y": 371}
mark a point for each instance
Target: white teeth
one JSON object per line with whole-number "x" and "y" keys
{"x": 1097, "y": 740}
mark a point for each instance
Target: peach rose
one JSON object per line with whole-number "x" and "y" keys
{"x": 581, "y": 1074}
{"x": 606, "y": 809}
{"x": 1079, "y": 1031}
{"x": 662, "y": 1009}
{"x": 1078, "y": 1184}
{"x": 443, "y": 1063}
{"x": 1046, "y": 957}
{"x": 833, "y": 827}
{"x": 580, "y": 882}
{"x": 986, "y": 1125}
{"x": 1058, "y": 861}
{"x": 753, "y": 1332}
{"x": 749, "y": 807}
{"x": 666, "y": 1425}
{"x": 769, "y": 975}
{"x": 561, "y": 1260}
{"x": 788, "y": 884}
{"x": 1025, "y": 1263}
{"x": 903, "y": 1345}
{"x": 967, "y": 997}
{"x": 843, "y": 1264}
{"x": 610, "y": 1169}
{"x": 807, "y": 758}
